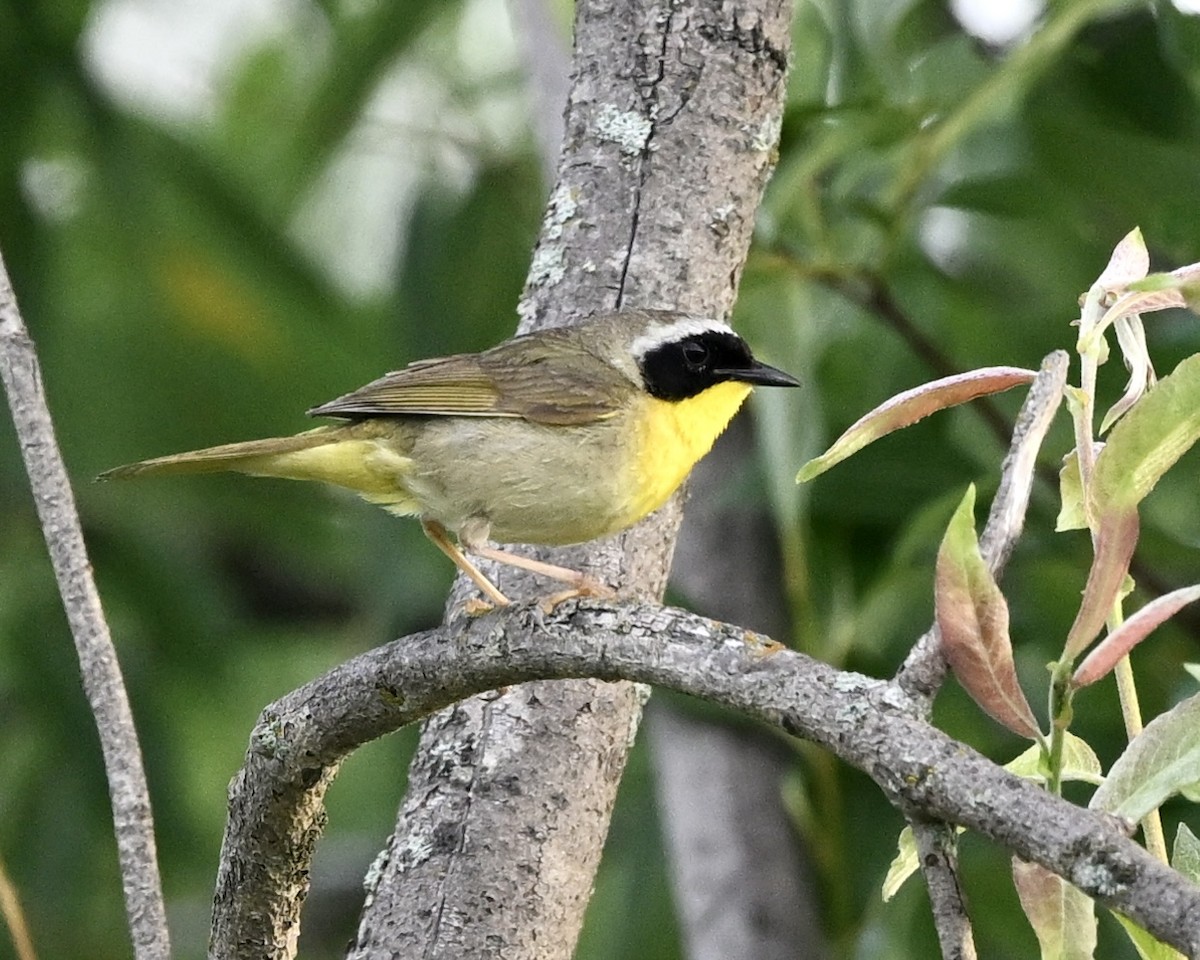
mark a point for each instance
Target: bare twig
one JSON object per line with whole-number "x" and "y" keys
{"x": 924, "y": 668}
{"x": 865, "y": 722}
{"x": 14, "y": 919}
{"x": 1006, "y": 519}
{"x": 937, "y": 844}
{"x": 98, "y": 665}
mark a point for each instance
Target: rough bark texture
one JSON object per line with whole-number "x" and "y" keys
{"x": 670, "y": 131}
{"x": 868, "y": 723}
{"x": 672, "y": 119}
{"x": 275, "y": 804}
{"x": 937, "y": 844}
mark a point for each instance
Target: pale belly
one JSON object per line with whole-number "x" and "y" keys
{"x": 534, "y": 483}
{"x": 527, "y": 482}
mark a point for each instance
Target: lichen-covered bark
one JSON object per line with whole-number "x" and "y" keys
{"x": 670, "y": 130}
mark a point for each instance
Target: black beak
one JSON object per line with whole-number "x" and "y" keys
{"x": 761, "y": 375}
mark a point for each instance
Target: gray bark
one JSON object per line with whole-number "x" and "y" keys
{"x": 868, "y": 723}
{"x": 937, "y": 845}
{"x": 103, "y": 684}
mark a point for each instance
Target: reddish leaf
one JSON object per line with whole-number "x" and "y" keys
{"x": 1132, "y": 632}
{"x": 973, "y": 619}
{"x": 1115, "y": 538}
{"x": 907, "y": 408}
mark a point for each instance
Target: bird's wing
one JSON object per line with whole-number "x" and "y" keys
{"x": 544, "y": 378}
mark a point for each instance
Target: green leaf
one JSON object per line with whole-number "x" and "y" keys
{"x": 908, "y": 407}
{"x": 1185, "y": 857}
{"x": 1071, "y": 515}
{"x": 1148, "y": 440}
{"x": 1062, "y": 916}
{"x": 972, "y": 616}
{"x": 1079, "y": 762}
{"x": 1147, "y": 946}
{"x": 903, "y": 865}
{"x": 1159, "y": 762}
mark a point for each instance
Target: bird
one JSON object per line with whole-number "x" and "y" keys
{"x": 553, "y": 437}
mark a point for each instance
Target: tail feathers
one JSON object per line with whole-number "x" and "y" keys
{"x": 254, "y": 457}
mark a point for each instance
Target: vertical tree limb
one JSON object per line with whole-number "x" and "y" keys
{"x": 937, "y": 846}
{"x": 741, "y": 887}
{"x": 102, "y": 682}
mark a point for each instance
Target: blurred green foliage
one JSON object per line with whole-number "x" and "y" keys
{"x": 197, "y": 277}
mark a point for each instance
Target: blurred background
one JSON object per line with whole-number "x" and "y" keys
{"x": 217, "y": 214}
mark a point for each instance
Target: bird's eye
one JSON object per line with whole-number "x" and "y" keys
{"x": 695, "y": 355}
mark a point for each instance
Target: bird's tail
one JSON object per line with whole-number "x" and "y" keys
{"x": 367, "y": 458}
{"x": 267, "y": 458}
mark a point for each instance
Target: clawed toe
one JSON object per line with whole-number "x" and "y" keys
{"x": 586, "y": 587}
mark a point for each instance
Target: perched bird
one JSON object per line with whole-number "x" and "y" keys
{"x": 554, "y": 437}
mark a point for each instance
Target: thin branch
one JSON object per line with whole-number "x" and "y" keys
{"x": 14, "y": 919}
{"x": 937, "y": 844}
{"x": 865, "y": 722}
{"x": 923, "y": 670}
{"x": 102, "y": 682}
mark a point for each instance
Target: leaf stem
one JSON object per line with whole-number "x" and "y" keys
{"x": 1131, "y": 713}
{"x": 1061, "y": 714}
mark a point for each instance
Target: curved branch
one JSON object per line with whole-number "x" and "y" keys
{"x": 300, "y": 740}
{"x": 102, "y": 682}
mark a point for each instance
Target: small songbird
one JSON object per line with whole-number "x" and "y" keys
{"x": 554, "y": 437}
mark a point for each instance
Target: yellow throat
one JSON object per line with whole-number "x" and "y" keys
{"x": 673, "y": 435}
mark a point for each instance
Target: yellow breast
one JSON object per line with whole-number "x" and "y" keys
{"x": 672, "y": 436}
